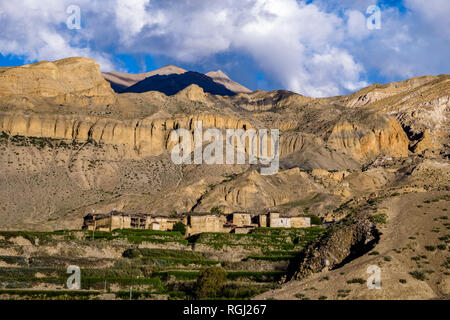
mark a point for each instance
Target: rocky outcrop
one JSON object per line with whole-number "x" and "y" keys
{"x": 340, "y": 244}
{"x": 425, "y": 143}
{"x": 66, "y": 80}
{"x": 364, "y": 142}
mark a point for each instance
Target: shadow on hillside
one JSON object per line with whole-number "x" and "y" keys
{"x": 174, "y": 83}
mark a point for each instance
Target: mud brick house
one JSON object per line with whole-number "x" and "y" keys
{"x": 238, "y": 222}
{"x": 120, "y": 220}
{"x": 276, "y": 220}
{"x": 206, "y": 222}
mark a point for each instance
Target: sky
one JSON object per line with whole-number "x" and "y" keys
{"x": 313, "y": 47}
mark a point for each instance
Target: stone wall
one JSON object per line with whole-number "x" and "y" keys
{"x": 242, "y": 219}
{"x": 206, "y": 223}
{"x": 300, "y": 222}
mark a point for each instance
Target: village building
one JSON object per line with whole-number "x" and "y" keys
{"x": 161, "y": 223}
{"x": 241, "y": 219}
{"x": 238, "y": 222}
{"x": 120, "y": 220}
{"x": 205, "y": 222}
{"x": 276, "y": 220}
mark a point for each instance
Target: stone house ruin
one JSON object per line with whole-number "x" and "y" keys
{"x": 119, "y": 220}
{"x": 238, "y": 222}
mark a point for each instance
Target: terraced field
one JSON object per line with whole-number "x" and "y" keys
{"x": 144, "y": 264}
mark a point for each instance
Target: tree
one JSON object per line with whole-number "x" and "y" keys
{"x": 210, "y": 282}
{"x": 180, "y": 227}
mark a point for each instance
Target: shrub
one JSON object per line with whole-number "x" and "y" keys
{"x": 388, "y": 258}
{"x": 131, "y": 253}
{"x": 314, "y": 219}
{"x": 356, "y": 280}
{"x": 419, "y": 275}
{"x": 402, "y": 281}
{"x": 374, "y": 253}
{"x": 442, "y": 247}
{"x": 210, "y": 282}
{"x": 323, "y": 298}
{"x": 216, "y": 210}
{"x": 430, "y": 248}
{"x": 380, "y": 218}
{"x": 180, "y": 227}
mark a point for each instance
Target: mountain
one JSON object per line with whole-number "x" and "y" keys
{"x": 174, "y": 83}
{"x": 376, "y": 162}
{"x": 220, "y": 77}
{"x": 120, "y": 81}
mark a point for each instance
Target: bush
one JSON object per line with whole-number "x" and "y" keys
{"x": 210, "y": 283}
{"x": 419, "y": 275}
{"x": 216, "y": 210}
{"x": 356, "y": 280}
{"x": 402, "y": 281}
{"x": 131, "y": 253}
{"x": 430, "y": 248}
{"x": 380, "y": 218}
{"x": 180, "y": 227}
{"x": 388, "y": 258}
{"x": 314, "y": 219}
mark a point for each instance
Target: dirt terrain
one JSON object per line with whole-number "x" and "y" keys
{"x": 414, "y": 239}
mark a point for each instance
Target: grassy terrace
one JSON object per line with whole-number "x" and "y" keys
{"x": 131, "y": 235}
{"x": 265, "y": 239}
{"x": 151, "y": 271}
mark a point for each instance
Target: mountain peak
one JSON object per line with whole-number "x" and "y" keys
{"x": 219, "y": 74}
{"x": 220, "y": 77}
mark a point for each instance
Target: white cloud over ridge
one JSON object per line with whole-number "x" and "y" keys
{"x": 318, "y": 49}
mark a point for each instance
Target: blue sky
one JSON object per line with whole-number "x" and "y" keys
{"x": 315, "y": 47}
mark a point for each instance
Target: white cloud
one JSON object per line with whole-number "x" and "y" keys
{"x": 357, "y": 25}
{"x": 36, "y": 30}
{"x": 131, "y": 17}
{"x": 318, "y": 49}
{"x": 283, "y": 36}
{"x": 432, "y": 13}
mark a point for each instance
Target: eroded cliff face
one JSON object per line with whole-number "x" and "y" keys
{"x": 78, "y": 81}
{"x": 421, "y": 106}
{"x": 149, "y": 137}
{"x": 365, "y": 142}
